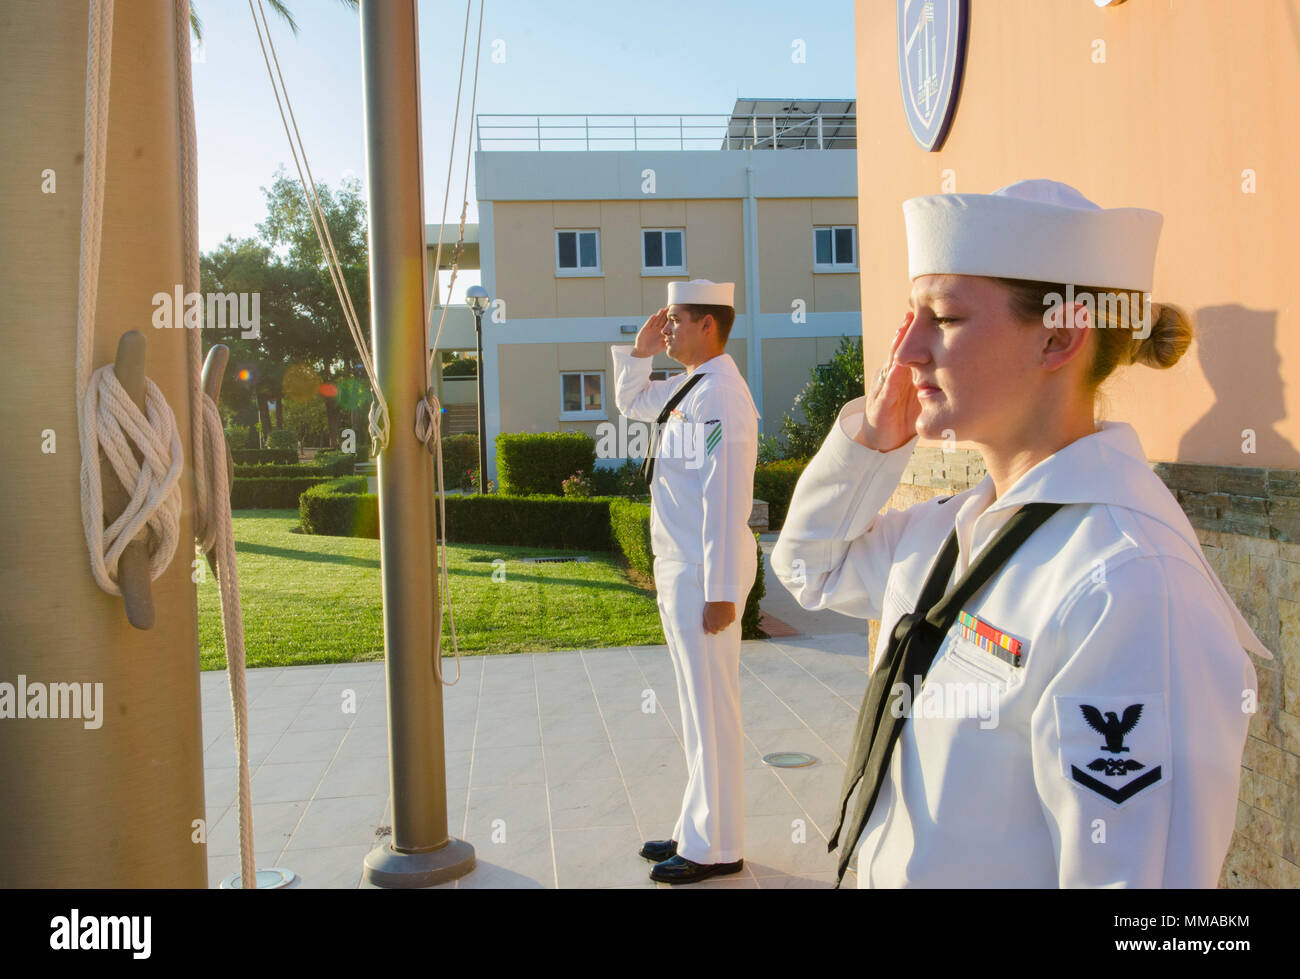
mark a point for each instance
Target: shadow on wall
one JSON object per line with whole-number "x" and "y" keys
{"x": 1230, "y": 339}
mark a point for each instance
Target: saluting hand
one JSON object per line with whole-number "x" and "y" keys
{"x": 718, "y": 615}
{"x": 892, "y": 405}
{"x": 650, "y": 338}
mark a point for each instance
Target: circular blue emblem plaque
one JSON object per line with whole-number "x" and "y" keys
{"x": 931, "y": 52}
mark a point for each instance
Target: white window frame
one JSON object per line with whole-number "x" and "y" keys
{"x": 585, "y": 414}
{"x": 667, "y": 372}
{"x": 663, "y": 269}
{"x": 579, "y": 271}
{"x": 834, "y": 266}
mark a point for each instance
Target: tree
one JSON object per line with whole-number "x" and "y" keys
{"x": 277, "y": 6}
{"x": 316, "y": 335}
{"x": 832, "y": 386}
{"x": 256, "y": 363}
{"x": 454, "y": 365}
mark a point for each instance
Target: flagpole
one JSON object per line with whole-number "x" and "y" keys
{"x": 420, "y": 852}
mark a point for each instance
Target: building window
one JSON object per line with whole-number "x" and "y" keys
{"x": 663, "y": 375}
{"x": 577, "y": 252}
{"x": 663, "y": 251}
{"x": 835, "y": 248}
{"x": 582, "y": 394}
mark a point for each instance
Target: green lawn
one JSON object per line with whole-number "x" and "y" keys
{"x": 312, "y": 599}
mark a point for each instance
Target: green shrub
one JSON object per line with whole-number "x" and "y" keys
{"x": 271, "y": 493}
{"x": 830, "y": 388}
{"x": 340, "y": 508}
{"x": 626, "y": 480}
{"x": 241, "y": 437}
{"x": 530, "y": 463}
{"x": 750, "y": 617}
{"x": 332, "y": 467}
{"x": 629, "y": 529}
{"x": 770, "y": 449}
{"x": 337, "y": 463}
{"x": 459, "y": 457}
{"x": 307, "y": 420}
{"x": 258, "y": 456}
{"x": 529, "y": 521}
{"x": 577, "y": 486}
{"x": 775, "y": 482}
{"x": 282, "y": 438}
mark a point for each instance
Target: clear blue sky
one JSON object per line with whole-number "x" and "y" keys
{"x": 561, "y": 56}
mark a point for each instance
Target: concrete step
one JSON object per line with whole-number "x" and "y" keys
{"x": 460, "y": 420}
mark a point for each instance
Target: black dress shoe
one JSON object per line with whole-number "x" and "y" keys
{"x": 679, "y": 870}
{"x": 658, "y": 850}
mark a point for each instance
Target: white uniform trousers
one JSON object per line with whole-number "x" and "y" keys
{"x": 711, "y": 826}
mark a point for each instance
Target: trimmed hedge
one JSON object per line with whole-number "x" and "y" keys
{"x": 775, "y": 482}
{"x": 626, "y": 480}
{"x": 530, "y": 521}
{"x": 282, "y": 438}
{"x": 345, "y": 466}
{"x": 343, "y": 508}
{"x": 629, "y": 529}
{"x": 459, "y": 456}
{"x": 273, "y": 493}
{"x": 257, "y": 456}
{"x": 540, "y": 462}
{"x": 749, "y": 619}
{"x": 340, "y": 508}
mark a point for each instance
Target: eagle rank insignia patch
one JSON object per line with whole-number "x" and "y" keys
{"x": 1115, "y": 747}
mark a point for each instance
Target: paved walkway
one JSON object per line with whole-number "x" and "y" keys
{"x": 555, "y": 744}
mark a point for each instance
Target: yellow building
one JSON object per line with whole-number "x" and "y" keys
{"x": 583, "y": 222}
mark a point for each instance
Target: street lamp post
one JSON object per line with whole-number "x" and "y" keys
{"x": 476, "y": 298}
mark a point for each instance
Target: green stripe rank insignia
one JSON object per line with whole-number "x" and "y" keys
{"x": 715, "y": 435}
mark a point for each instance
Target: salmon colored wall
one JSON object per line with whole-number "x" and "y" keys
{"x": 1191, "y": 94}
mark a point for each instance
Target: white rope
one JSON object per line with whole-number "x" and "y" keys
{"x": 446, "y": 193}
{"x": 428, "y": 420}
{"x": 212, "y": 520}
{"x": 428, "y": 411}
{"x": 107, "y": 418}
{"x": 378, "y": 415}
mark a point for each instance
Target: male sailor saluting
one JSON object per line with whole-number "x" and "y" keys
{"x": 705, "y": 556}
{"x": 1069, "y": 583}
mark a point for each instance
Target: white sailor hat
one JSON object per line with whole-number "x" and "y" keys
{"x": 1032, "y": 229}
{"x": 703, "y": 292}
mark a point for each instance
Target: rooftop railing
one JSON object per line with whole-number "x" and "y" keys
{"x": 817, "y": 131}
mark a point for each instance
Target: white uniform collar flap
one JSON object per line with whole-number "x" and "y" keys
{"x": 723, "y": 365}
{"x": 1110, "y": 467}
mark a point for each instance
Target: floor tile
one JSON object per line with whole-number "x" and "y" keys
{"x": 338, "y": 822}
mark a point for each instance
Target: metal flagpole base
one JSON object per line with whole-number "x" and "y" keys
{"x": 386, "y": 867}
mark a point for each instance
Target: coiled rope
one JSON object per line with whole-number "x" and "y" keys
{"x": 108, "y": 420}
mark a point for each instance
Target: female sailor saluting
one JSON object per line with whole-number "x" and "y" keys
{"x": 1067, "y": 590}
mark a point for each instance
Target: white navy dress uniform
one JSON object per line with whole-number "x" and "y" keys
{"x": 704, "y": 551}
{"x": 1112, "y": 657}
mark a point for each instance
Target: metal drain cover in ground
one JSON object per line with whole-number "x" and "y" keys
{"x": 789, "y": 759}
{"x": 553, "y": 560}
{"x": 268, "y": 879}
